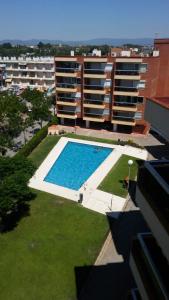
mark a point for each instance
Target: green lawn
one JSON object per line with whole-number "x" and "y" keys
{"x": 39, "y": 256}
{"x": 41, "y": 151}
{"x": 114, "y": 181}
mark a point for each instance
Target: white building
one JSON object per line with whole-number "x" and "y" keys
{"x": 33, "y": 72}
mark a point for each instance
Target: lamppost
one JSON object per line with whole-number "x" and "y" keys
{"x": 130, "y": 162}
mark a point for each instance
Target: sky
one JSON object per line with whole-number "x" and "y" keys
{"x": 83, "y": 19}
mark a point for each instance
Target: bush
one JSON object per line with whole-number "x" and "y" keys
{"x": 131, "y": 143}
{"x": 34, "y": 142}
{"x": 53, "y": 121}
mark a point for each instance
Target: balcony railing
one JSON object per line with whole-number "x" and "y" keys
{"x": 127, "y": 72}
{"x": 123, "y": 118}
{"x": 66, "y": 112}
{"x": 127, "y": 104}
{"x": 93, "y": 87}
{"x": 92, "y": 101}
{"x": 67, "y": 99}
{"x": 67, "y": 70}
{"x": 94, "y": 71}
{"x": 93, "y": 115}
{"x": 126, "y": 88}
{"x": 67, "y": 85}
{"x": 156, "y": 192}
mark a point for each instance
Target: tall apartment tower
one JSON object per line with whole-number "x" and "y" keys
{"x": 93, "y": 90}
{"x": 149, "y": 259}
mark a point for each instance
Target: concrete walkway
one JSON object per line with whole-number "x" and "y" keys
{"x": 104, "y": 203}
{"x": 142, "y": 140}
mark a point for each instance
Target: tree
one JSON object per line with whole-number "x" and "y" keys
{"x": 11, "y": 112}
{"x": 26, "y": 122}
{"x": 40, "y": 105}
{"x": 14, "y": 192}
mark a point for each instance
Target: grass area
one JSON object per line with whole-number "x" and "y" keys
{"x": 114, "y": 181}
{"x": 39, "y": 256}
{"x": 89, "y": 138}
{"x": 41, "y": 151}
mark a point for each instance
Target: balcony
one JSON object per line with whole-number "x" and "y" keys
{"x": 127, "y": 74}
{"x": 67, "y": 72}
{"x": 66, "y": 101}
{"x": 150, "y": 268}
{"x": 96, "y": 89}
{"x": 152, "y": 196}
{"x": 93, "y": 103}
{"x": 93, "y": 117}
{"x": 69, "y": 99}
{"x": 90, "y": 72}
{"x": 124, "y": 107}
{"x": 123, "y": 120}
{"x": 68, "y": 114}
{"x": 67, "y": 87}
{"x": 126, "y": 90}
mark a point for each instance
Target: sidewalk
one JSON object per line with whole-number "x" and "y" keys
{"x": 142, "y": 140}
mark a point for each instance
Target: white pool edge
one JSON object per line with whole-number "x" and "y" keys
{"x": 37, "y": 181}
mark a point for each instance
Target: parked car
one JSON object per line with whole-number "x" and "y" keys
{"x": 36, "y": 130}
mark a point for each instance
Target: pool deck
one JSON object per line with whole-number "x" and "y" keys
{"x": 93, "y": 198}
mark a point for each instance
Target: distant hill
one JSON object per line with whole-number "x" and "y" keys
{"x": 99, "y": 41}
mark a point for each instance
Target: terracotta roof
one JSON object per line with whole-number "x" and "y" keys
{"x": 163, "y": 101}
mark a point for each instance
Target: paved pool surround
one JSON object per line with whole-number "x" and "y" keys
{"x": 90, "y": 186}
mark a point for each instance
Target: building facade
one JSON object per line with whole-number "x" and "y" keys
{"x": 157, "y": 114}
{"x": 149, "y": 259}
{"x": 107, "y": 89}
{"x": 33, "y": 72}
{"x": 2, "y": 75}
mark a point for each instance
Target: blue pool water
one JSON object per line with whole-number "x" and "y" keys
{"x": 75, "y": 164}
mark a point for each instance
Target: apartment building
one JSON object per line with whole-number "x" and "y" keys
{"x": 111, "y": 90}
{"x": 157, "y": 114}
{"x": 33, "y": 72}
{"x": 149, "y": 259}
{"x": 2, "y": 75}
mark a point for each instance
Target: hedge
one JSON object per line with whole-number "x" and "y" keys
{"x": 34, "y": 142}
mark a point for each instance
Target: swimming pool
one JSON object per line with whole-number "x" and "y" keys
{"x": 76, "y": 164}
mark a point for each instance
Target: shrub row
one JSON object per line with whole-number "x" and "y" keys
{"x": 34, "y": 142}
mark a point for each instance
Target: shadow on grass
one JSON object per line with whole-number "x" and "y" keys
{"x": 11, "y": 221}
{"x": 112, "y": 280}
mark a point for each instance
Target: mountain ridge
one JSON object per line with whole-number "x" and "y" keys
{"x": 95, "y": 41}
